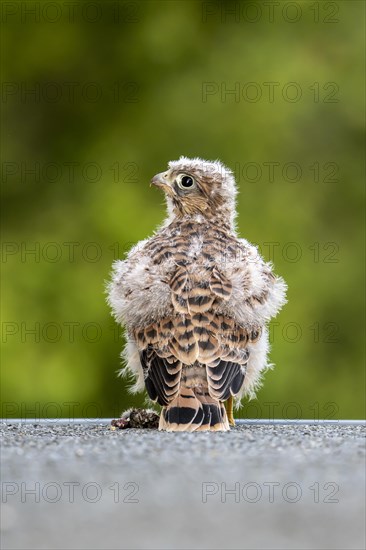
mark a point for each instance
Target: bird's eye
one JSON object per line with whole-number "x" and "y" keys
{"x": 185, "y": 182}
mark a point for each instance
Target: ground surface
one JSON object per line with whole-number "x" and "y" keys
{"x": 270, "y": 487}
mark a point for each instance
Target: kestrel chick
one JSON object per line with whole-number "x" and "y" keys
{"x": 195, "y": 300}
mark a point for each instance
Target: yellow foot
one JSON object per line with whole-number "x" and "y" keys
{"x": 229, "y": 410}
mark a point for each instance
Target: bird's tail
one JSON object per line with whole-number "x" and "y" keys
{"x": 194, "y": 410}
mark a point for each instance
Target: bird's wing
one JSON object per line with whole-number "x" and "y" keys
{"x": 164, "y": 346}
{"x": 220, "y": 345}
{"x": 226, "y": 371}
{"x": 138, "y": 292}
{"x": 162, "y": 377}
{"x": 257, "y": 293}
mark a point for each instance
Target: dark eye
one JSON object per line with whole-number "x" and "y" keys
{"x": 185, "y": 182}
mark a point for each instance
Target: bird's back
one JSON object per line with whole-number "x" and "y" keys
{"x": 195, "y": 347}
{"x": 195, "y": 300}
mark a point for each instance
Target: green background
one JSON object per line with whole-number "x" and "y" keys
{"x": 97, "y": 102}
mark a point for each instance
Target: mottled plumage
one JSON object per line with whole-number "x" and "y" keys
{"x": 195, "y": 300}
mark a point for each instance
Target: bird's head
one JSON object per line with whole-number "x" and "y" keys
{"x": 198, "y": 189}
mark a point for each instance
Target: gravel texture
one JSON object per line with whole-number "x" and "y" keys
{"x": 269, "y": 487}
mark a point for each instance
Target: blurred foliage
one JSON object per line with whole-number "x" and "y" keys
{"x": 114, "y": 100}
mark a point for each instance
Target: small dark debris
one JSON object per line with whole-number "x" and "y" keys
{"x": 137, "y": 418}
{"x": 120, "y": 423}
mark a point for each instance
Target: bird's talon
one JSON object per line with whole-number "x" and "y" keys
{"x": 229, "y": 410}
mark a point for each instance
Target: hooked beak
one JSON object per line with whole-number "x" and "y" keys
{"x": 159, "y": 180}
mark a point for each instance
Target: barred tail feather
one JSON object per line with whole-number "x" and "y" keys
{"x": 193, "y": 410}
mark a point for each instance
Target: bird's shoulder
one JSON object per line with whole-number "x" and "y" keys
{"x": 194, "y": 241}
{"x": 185, "y": 243}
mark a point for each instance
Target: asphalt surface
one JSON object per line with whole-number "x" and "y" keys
{"x": 269, "y": 487}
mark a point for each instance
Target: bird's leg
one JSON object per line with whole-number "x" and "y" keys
{"x": 229, "y": 410}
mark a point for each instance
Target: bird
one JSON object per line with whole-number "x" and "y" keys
{"x": 196, "y": 300}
